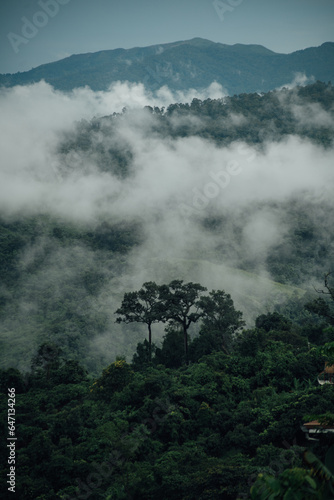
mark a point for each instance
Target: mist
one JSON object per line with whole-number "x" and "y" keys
{"x": 174, "y": 190}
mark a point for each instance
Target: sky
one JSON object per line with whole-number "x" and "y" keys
{"x": 34, "y": 32}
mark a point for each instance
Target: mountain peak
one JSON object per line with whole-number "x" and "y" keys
{"x": 184, "y": 64}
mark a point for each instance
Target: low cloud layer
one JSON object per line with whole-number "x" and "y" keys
{"x": 185, "y": 172}
{"x": 174, "y": 186}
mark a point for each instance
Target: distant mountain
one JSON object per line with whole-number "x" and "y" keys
{"x": 182, "y": 65}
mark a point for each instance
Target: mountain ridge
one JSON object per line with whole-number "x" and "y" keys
{"x": 184, "y": 64}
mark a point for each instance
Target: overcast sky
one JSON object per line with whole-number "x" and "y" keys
{"x": 65, "y": 27}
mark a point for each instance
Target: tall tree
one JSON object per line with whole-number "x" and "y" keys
{"x": 220, "y": 318}
{"x": 142, "y": 306}
{"x": 321, "y": 306}
{"x": 181, "y": 304}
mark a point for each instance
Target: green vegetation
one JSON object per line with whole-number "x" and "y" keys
{"x": 222, "y": 422}
{"x": 212, "y": 406}
{"x": 53, "y": 276}
{"x": 60, "y": 281}
{"x": 253, "y": 118}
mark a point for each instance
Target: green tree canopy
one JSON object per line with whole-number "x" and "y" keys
{"x": 221, "y": 318}
{"x": 323, "y": 306}
{"x": 142, "y": 306}
{"x": 181, "y": 304}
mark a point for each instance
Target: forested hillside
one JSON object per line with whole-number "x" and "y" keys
{"x": 224, "y": 420}
{"x": 183, "y": 65}
{"x": 166, "y": 296}
{"x": 64, "y": 268}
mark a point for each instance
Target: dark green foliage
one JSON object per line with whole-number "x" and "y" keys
{"x": 143, "y": 355}
{"x": 273, "y": 321}
{"x": 182, "y": 306}
{"x": 171, "y": 354}
{"x": 200, "y": 431}
{"x": 12, "y": 378}
{"x": 47, "y": 358}
{"x": 48, "y": 367}
{"x": 143, "y": 306}
{"x": 114, "y": 378}
{"x": 279, "y": 328}
{"x": 322, "y": 308}
{"x": 251, "y": 341}
{"x": 317, "y": 483}
{"x": 221, "y": 321}
{"x": 116, "y": 237}
{"x": 204, "y": 430}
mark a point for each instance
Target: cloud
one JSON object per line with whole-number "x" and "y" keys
{"x": 300, "y": 79}
{"x": 166, "y": 96}
{"x": 176, "y": 189}
{"x": 312, "y": 115}
{"x": 166, "y": 173}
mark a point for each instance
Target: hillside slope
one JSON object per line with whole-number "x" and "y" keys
{"x": 182, "y": 65}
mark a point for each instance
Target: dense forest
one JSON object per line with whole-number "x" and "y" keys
{"x": 218, "y": 417}
{"x": 170, "y": 347}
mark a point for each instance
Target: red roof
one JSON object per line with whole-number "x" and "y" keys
{"x": 314, "y": 424}
{"x": 328, "y": 369}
